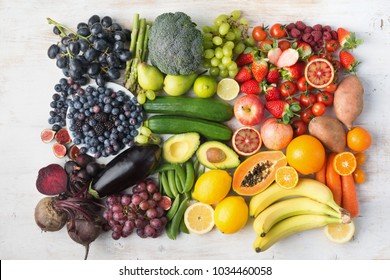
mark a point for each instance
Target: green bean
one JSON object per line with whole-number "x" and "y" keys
{"x": 173, "y": 227}
{"x": 165, "y": 185}
{"x": 190, "y": 176}
{"x": 172, "y": 211}
{"x": 172, "y": 183}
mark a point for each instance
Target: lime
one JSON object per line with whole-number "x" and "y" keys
{"x": 205, "y": 86}
{"x": 228, "y": 89}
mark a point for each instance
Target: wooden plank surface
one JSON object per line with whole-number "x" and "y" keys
{"x": 27, "y": 78}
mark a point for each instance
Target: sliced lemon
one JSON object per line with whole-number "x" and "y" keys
{"x": 228, "y": 89}
{"x": 199, "y": 218}
{"x": 286, "y": 177}
{"x": 340, "y": 233}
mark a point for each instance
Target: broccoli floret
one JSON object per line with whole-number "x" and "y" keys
{"x": 175, "y": 45}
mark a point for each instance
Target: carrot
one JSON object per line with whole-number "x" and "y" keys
{"x": 350, "y": 201}
{"x": 321, "y": 175}
{"x": 333, "y": 179}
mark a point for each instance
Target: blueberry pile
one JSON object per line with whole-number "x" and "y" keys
{"x": 103, "y": 121}
{"x": 97, "y": 50}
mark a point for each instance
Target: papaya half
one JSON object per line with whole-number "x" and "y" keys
{"x": 257, "y": 172}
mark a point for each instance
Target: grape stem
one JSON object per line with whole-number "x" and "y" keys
{"x": 62, "y": 27}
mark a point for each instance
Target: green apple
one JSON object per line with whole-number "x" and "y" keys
{"x": 205, "y": 86}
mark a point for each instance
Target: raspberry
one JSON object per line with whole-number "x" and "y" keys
{"x": 307, "y": 37}
{"x": 317, "y": 27}
{"x": 290, "y": 26}
{"x": 308, "y": 29}
{"x": 327, "y": 36}
{"x": 317, "y": 35}
{"x": 295, "y": 32}
{"x": 300, "y": 25}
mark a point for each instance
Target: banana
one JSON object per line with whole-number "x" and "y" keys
{"x": 292, "y": 207}
{"x": 291, "y": 226}
{"x": 306, "y": 187}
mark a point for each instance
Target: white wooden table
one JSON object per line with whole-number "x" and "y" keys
{"x": 27, "y": 78}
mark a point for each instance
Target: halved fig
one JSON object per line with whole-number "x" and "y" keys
{"x": 47, "y": 135}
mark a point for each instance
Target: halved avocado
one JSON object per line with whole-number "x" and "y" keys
{"x": 217, "y": 155}
{"x": 180, "y": 147}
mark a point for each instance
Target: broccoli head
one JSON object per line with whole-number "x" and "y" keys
{"x": 175, "y": 45}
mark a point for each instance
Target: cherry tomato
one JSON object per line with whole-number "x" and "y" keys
{"x": 312, "y": 57}
{"x": 332, "y": 46}
{"x": 299, "y": 127}
{"x": 325, "y": 97}
{"x": 287, "y": 88}
{"x": 284, "y": 45}
{"x": 302, "y": 85}
{"x": 259, "y": 33}
{"x": 318, "y": 109}
{"x": 293, "y": 101}
{"x": 307, "y": 115}
{"x": 307, "y": 99}
{"x": 331, "y": 88}
{"x": 278, "y": 30}
{"x": 265, "y": 42}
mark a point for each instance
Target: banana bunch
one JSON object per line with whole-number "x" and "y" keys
{"x": 279, "y": 212}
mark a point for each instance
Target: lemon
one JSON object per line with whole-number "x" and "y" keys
{"x": 212, "y": 186}
{"x": 340, "y": 233}
{"x": 199, "y": 218}
{"x": 228, "y": 89}
{"x": 231, "y": 214}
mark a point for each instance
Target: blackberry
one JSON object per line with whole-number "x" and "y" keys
{"x": 108, "y": 125}
{"x": 99, "y": 129}
{"x": 100, "y": 117}
{"x": 78, "y": 126}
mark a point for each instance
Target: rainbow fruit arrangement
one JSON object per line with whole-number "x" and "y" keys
{"x": 228, "y": 125}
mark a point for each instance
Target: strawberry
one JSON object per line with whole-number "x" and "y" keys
{"x": 273, "y": 55}
{"x": 259, "y": 69}
{"x": 244, "y": 59}
{"x": 294, "y": 72}
{"x": 304, "y": 50}
{"x": 271, "y": 92}
{"x": 244, "y": 74}
{"x": 277, "y": 108}
{"x": 273, "y": 75}
{"x": 287, "y": 58}
{"x": 347, "y": 39}
{"x": 251, "y": 87}
{"x": 348, "y": 61}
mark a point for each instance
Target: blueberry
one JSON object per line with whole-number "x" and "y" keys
{"x": 83, "y": 150}
{"x": 77, "y": 141}
{"x": 107, "y": 108}
{"x": 134, "y": 133}
{"x": 56, "y": 127}
{"x": 86, "y": 127}
{"x": 77, "y": 105}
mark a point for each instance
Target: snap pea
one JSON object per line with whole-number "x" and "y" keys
{"x": 183, "y": 227}
{"x": 190, "y": 176}
{"x": 178, "y": 183}
{"x": 180, "y": 172}
{"x": 172, "y": 211}
{"x": 174, "y": 225}
{"x": 201, "y": 171}
{"x": 164, "y": 167}
{"x": 165, "y": 185}
{"x": 172, "y": 183}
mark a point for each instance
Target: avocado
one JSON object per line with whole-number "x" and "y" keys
{"x": 180, "y": 147}
{"x": 216, "y": 155}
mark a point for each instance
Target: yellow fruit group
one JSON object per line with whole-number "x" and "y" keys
{"x": 199, "y": 218}
{"x": 306, "y": 154}
{"x": 212, "y": 186}
{"x": 340, "y": 233}
{"x": 231, "y": 214}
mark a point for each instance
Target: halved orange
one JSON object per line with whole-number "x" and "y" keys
{"x": 319, "y": 73}
{"x": 286, "y": 177}
{"x": 344, "y": 163}
{"x": 246, "y": 141}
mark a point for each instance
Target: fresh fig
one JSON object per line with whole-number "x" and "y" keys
{"x": 73, "y": 152}
{"x": 62, "y": 136}
{"x": 47, "y": 135}
{"x": 59, "y": 150}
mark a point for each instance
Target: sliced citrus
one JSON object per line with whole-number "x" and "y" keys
{"x": 344, "y": 163}
{"x": 199, "y": 218}
{"x": 319, "y": 73}
{"x": 228, "y": 89}
{"x": 286, "y": 177}
{"x": 246, "y": 141}
{"x": 340, "y": 233}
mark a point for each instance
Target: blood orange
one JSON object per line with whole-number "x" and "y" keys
{"x": 319, "y": 73}
{"x": 246, "y": 141}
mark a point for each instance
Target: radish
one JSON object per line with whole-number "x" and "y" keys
{"x": 287, "y": 58}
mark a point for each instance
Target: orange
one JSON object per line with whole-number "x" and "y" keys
{"x": 359, "y": 176}
{"x": 344, "y": 163}
{"x": 360, "y": 158}
{"x": 319, "y": 73}
{"x": 358, "y": 139}
{"x": 286, "y": 177}
{"x": 306, "y": 154}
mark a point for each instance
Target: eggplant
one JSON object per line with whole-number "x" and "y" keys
{"x": 125, "y": 170}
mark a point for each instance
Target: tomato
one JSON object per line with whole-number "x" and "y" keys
{"x": 299, "y": 127}
{"x": 332, "y": 46}
{"x": 278, "y": 30}
{"x": 314, "y": 56}
{"x": 302, "y": 85}
{"x": 331, "y": 88}
{"x": 284, "y": 45}
{"x": 318, "y": 109}
{"x": 307, "y": 115}
{"x": 287, "y": 88}
{"x": 307, "y": 99}
{"x": 265, "y": 42}
{"x": 325, "y": 98}
{"x": 259, "y": 33}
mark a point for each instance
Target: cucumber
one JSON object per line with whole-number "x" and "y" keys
{"x": 171, "y": 124}
{"x": 204, "y": 108}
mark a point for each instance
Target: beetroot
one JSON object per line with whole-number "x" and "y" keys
{"x": 47, "y": 216}
{"x": 52, "y": 180}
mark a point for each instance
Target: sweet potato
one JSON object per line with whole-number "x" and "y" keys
{"x": 348, "y": 100}
{"x": 330, "y": 132}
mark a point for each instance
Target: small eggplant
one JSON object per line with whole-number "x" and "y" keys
{"x": 125, "y": 170}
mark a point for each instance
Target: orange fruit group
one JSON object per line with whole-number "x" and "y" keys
{"x": 306, "y": 154}
{"x": 319, "y": 73}
{"x": 344, "y": 163}
{"x": 358, "y": 139}
{"x": 286, "y": 177}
